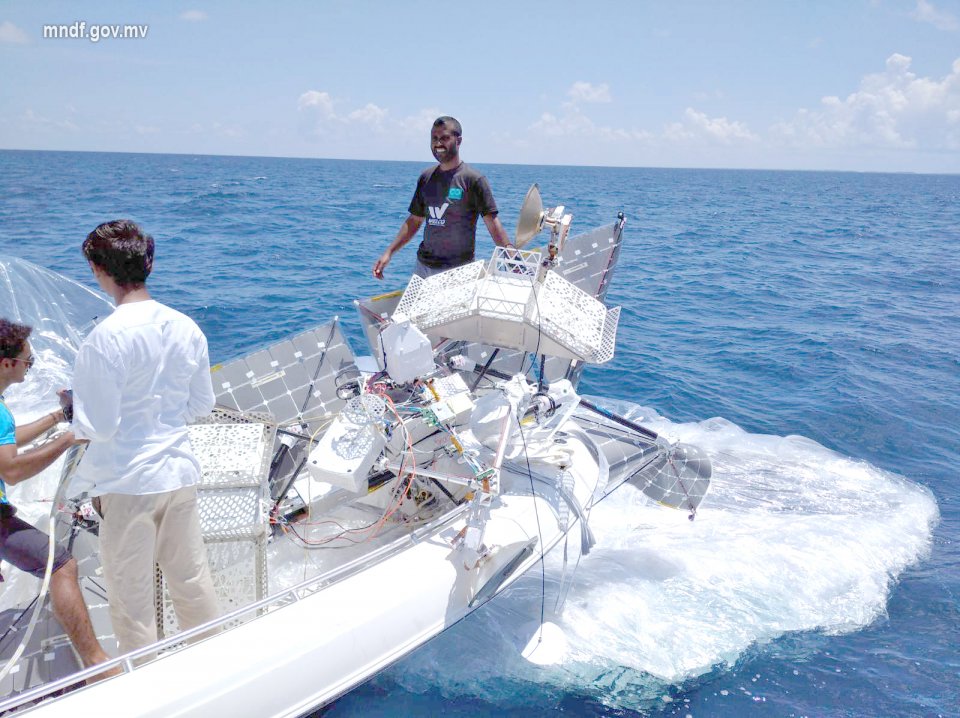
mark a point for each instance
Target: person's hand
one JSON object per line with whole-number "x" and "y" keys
{"x": 381, "y": 265}
{"x": 66, "y": 403}
{"x": 72, "y": 438}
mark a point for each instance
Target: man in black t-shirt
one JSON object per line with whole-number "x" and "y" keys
{"x": 450, "y": 197}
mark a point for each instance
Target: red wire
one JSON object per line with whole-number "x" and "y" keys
{"x": 391, "y": 508}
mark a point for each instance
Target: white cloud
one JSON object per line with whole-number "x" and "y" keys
{"x": 586, "y": 93}
{"x": 940, "y": 19}
{"x": 421, "y": 122}
{"x": 193, "y": 16}
{"x": 10, "y": 33}
{"x": 319, "y": 115}
{"x": 316, "y": 102}
{"x": 369, "y": 114}
{"x": 893, "y": 109}
{"x": 336, "y": 127}
{"x": 573, "y": 123}
{"x": 697, "y": 127}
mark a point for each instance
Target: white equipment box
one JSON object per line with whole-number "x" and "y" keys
{"x": 351, "y": 445}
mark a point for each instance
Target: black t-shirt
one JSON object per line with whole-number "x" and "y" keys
{"x": 450, "y": 201}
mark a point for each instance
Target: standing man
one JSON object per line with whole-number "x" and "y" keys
{"x": 449, "y": 196}
{"x": 140, "y": 376}
{"x": 21, "y": 544}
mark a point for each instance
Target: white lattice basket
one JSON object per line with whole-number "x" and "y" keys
{"x": 232, "y": 498}
{"x": 451, "y": 291}
{"x": 512, "y": 301}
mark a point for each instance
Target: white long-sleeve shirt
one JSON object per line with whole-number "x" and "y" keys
{"x": 140, "y": 376}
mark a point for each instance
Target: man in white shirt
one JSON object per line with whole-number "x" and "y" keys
{"x": 140, "y": 376}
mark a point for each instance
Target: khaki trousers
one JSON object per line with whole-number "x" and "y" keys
{"x": 135, "y": 533}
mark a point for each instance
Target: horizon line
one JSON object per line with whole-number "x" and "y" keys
{"x": 505, "y": 164}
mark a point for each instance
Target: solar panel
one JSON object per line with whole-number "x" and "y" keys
{"x": 295, "y": 381}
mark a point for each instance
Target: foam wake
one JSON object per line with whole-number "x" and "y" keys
{"x": 792, "y": 537}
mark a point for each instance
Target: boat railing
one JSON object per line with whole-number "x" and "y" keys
{"x": 173, "y": 644}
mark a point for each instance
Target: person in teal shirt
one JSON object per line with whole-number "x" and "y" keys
{"x": 22, "y": 544}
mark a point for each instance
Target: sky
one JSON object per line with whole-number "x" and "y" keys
{"x": 858, "y": 85}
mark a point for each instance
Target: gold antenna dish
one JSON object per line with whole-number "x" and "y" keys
{"x": 531, "y": 217}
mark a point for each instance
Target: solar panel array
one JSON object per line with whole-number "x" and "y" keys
{"x": 677, "y": 475}
{"x": 295, "y": 381}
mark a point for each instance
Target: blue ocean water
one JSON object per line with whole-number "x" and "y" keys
{"x": 756, "y": 305}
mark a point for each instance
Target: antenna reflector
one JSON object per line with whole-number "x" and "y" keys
{"x": 531, "y": 217}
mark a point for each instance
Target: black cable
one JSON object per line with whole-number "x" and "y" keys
{"x": 486, "y": 368}
{"x": 14, "y": 622}
{"x": 444, "y": 490}
{"x": 619, "y": 419}
{"x": 316, "y": 374}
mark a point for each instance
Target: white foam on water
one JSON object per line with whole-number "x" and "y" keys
{"x": 791, "y": 537}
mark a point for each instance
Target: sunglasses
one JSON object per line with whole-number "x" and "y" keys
{"x": 28, "y": 361}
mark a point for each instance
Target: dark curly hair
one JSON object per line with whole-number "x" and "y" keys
{"x": 450, "y": 123}
{"x": 122, "y": 250}
{"x": 12, "y": 338}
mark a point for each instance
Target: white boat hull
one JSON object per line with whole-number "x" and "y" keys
{"x": 326, "y": 639}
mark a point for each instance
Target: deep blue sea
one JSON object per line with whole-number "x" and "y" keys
{"x": 803, "y": 327}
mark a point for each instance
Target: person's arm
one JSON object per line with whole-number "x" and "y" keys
{"x": 408, "y": 229}
{"x": 16, "y": 467}
{"x": 96, "y": 396}
{"x": 29, "y": 432}
{"x": 496, "y": 230}
{"x": 201, "y": 400}
{"x": 486, "y": 206}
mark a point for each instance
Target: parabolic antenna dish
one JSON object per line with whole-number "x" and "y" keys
{"x": 531, "y": 217}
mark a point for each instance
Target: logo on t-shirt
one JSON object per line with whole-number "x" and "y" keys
{"x": 455, "y": 193}
{"x": 436, "y": 215}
